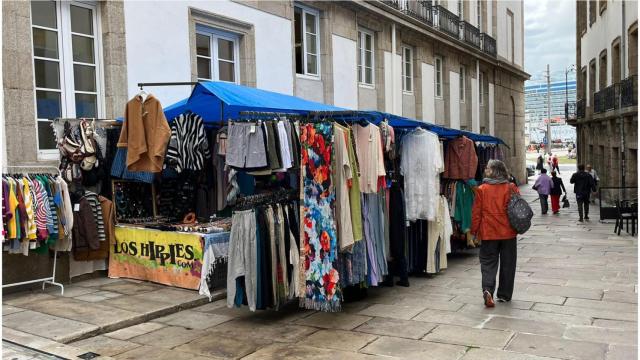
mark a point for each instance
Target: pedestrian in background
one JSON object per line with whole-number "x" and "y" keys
{"x": 596, "y": 180}
{"x": 540, "y": 164}
{"x": 554, "y": 163}
{"x": 583, "y": 185}
{"x": 490, "y": 223}
{"x": 556, "y": 191}
{"x": 543, "y": 186}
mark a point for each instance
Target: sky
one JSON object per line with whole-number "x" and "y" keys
{"x": 549, "y": 36}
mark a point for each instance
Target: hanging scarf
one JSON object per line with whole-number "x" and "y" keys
{"x": 318, "y": 252}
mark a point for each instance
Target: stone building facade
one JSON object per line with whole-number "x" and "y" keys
{"x": 454, "y": 63}
{"x": 606, "y": 110}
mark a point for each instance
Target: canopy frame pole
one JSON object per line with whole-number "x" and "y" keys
{"x": 141, "y": 85}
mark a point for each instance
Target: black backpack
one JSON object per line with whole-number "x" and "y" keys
{"x": 519, "y": 213}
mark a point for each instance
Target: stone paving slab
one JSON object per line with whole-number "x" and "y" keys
{"x": 525, "y": 326}
{"x": 395, "y": 327}
{"x": 604, "y": 335}
{"x": 557, "y": 347}
{"x": 413, "y": 349}
{"x": 105, "y": 345}
{"x": 492, "y": 354}
{"x": 462, "y": 335}
{"x": 303, "y": 352}
{"x": 339, "y": 340}
{"x": 48, "y": 326}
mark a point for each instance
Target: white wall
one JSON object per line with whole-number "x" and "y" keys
{"x": 475, "y": 103}
{"x": 492, "y": 113}
{"x": 428, "y": 93}
{"x": 454, "y": 100}
{"x": 388, "y": 83}
{"x": 157, "y": 45}
{"x": 345, "y": 72}
{"x": 501, "y": 36}
{"x": 601, "y": 34}
{"x": 393, "y": 84}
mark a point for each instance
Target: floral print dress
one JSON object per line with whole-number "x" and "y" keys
{"x": 319, "y": 248}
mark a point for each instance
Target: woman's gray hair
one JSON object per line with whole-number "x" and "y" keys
{"x": 496, "y": 169}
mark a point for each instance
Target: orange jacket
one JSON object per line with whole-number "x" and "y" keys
{"x": 489, "y": 216}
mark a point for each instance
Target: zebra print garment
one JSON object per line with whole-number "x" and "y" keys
{"x": 188, "y": 146}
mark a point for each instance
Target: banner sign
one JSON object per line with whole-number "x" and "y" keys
{"x": 165, "y": 257}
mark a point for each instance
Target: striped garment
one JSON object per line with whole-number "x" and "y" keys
{"x": 27, "y": 195}
{"x": 92, "y": 198}
{"x": 188, "y": 146}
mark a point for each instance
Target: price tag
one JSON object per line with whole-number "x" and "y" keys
{"x": 76, "y": 207}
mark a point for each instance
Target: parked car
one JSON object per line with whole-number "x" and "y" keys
{"x": 531, "y": 170}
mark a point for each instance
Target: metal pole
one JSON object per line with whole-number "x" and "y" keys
{"x": 548, "y": 110}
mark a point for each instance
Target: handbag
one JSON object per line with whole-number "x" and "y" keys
{"x": 565, "y": 202}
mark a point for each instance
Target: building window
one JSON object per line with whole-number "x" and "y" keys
{"x": 66, "y": 78}
{"x": 603, "y": 70}
{"x": 510, "y": 45}
{"x": 438, "y": 77}
{"x": 592, "y": 11}
{"x": 481, "y": 86}
{"x": 463, "y": 82}
{"x": 615, "y": 61}
{"x": 216, "y": 55}
{"x": 365, "y": 57}
{"x": 407, "y": 69}
{"x": 460, "y": 10}
{"x": 307, "y": 40}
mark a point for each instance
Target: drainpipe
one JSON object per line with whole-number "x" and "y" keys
{"x": 394, "y": 97}
{"x": 623, "y": 41}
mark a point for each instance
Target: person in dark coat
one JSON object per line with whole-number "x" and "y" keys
{"x": 556, "y": 191}
{"x": 540, "y": 164}
{"x": 583, "y": 185}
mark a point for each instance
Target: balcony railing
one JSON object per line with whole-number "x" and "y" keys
{"x": 581, "y": 106}
{"x": 470, "y": 34}
{"x": 419, "y": 9}
{"x": 448, "y": 22}
{"x": 488, "y": 44}
{"x": 569, "y": 110}
{"x": 393, "y": 3}
{"x": 606, "y": 99}
{"x": 629, "y": 91}
{"x": 445, "y": 21}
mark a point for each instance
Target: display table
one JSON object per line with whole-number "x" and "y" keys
{"x": 166, "y": 257}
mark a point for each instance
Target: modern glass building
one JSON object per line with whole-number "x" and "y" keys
{"x": 536, "y": 109}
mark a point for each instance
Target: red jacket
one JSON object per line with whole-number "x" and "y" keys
{"x": 460, "y": 159}
{"x": 489, "y": 216}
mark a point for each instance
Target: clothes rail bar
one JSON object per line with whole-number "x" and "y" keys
{"x": 190, "y": 83}
{"x": 51, "y": 279}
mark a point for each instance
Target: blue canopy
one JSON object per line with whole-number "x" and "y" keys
{"x": 217, "y": 102}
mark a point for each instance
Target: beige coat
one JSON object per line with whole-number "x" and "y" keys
{"x": 145, "y": 133}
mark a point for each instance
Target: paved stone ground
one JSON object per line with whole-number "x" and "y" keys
{"x": 575, "y": 298}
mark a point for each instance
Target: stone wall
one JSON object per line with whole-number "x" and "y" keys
{"x": 20, "y": 112}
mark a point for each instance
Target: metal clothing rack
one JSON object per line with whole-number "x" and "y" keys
{"x": 51, "y": 279}
{"x": 141, "y": 85}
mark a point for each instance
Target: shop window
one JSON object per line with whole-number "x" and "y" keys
{"x": 407, "y": 69}
{"x": 463, "y": 82}
{"x": 66, "y": 78}
{"x": 365, "y": 57}
{"x": 438, "y": 77}
{"x": 217, "y": 55}
{"x": 307, "y": 40}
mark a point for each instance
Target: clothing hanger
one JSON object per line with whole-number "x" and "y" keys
{"x": 143, "y": 94}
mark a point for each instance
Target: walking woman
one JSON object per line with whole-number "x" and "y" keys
{"x": 556, "y": 191}
{"x": 540, "y": 164}
{"x": 490, "y": 224}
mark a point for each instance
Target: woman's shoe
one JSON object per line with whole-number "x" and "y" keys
{"x": 488, "y": 299}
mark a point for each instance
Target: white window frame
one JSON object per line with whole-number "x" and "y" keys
{"x": 438, "y": 77}
{"x": 316, "y": 13}
{"x": 214, "y": 35}
{"x": 481, "y": 77}
{"x": 404, "y": 67}
{"x": 362, "y": 35}
{"x": 65, "y": 60}
{"x": 463, "y": 83}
